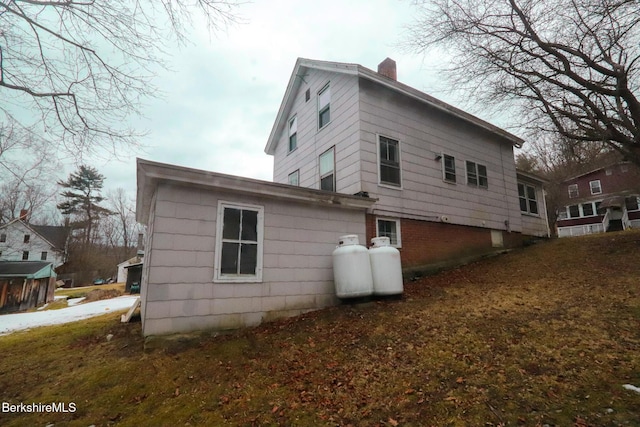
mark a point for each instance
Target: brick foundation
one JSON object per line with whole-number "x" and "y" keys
{"x": 427, "y": 242}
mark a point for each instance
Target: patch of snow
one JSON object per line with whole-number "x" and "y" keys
{"x": 15, "y": 322}
{"x": 631, "y": 387}
{"x": 73, "y": 301}
{"x": 43, "y": 307}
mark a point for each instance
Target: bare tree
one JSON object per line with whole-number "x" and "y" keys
{"x": 85, "y": 66}
{"x": 123, "y": 230}
{"x": 568, "y": 66}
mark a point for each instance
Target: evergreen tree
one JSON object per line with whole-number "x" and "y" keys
{"x": 82, "y": 200}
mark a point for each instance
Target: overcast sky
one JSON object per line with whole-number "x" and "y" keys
{"x": 225, "y": 90}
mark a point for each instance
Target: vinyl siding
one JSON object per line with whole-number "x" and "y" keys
{"x": 424, "y": 133}
{"x": 178, "y": 293}
{"x": 341, "y": 132}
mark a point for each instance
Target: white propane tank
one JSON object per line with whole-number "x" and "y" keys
{"x": 386, "y": 267}
{"x": 352, "y": 268}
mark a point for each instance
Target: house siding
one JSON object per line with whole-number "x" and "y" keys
{"x": 341, "y": 132}
{"x": 178, "y": 293}
{"x": 424, "y": 133}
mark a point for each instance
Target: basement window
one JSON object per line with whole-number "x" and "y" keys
{"x": 387, "y": 227}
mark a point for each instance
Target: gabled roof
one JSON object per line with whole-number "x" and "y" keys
{"x": 27, "y": 269}
{"x": 608, "y": 165}
{"x": 303, "y": 64}
{"x": 150, "y": 174}
{"x": 55, "y": 235}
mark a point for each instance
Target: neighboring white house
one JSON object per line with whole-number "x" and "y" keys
{"x": 355, "y": 152}
{"x": 445, "y": 180}
{"x": 21, "y": 241}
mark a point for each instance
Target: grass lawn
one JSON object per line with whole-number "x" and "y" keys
{"x": 547, "y": 335}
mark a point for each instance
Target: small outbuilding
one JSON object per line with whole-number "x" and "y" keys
{"x": 25, "y": 285}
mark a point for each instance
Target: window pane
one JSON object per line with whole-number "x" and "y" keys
{"x": 293, "y": 126}
{"x": 523, "y": 204}
{"x": 293, "y": 142}
{"x": 324, "y": 117}
{"x": 390, "y": 175}
{"x": 574, "y": 211}
{"x": 587, "y": 209}
{"x": 326, "y": 162}
{"x": 388, "y": 229}
{"x": 324, "y": 98}
{"x": 531, "y": 192}
{"x": 482, "y": 176}
{"x": 326, "y": 183}
{"x": 521, "y": 192}
{"x": 294, "y": 178}
{"x": 248, "y": 258}
{"x": 249, "y": 225}
{"x": 533, "y": 207}
{"x": 229, "y": 258}
{"x": 231, "y": 228}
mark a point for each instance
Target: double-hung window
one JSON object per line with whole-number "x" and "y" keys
{"x": 25, "y": 255}
{"x": 239, "y": 241}
{"x": 389, "y": 159}
{"x": 449, "y": 168}
{"x": 293, "y": 133}
{"x": 327, "y": 170}
{"x": 528, "y": 200}
{"x": 595, "y": 187}
{"x": 573, "y": 191}
{"x": 390, "y": 228}
{"x": 477, "y": 175}
{"x": 324, "y": 106}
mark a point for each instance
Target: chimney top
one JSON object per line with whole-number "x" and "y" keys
{"x": 388, "y": 69}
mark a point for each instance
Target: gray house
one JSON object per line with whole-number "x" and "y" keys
{"x": 355, "y": 152}
{"x": 445, "y": 181}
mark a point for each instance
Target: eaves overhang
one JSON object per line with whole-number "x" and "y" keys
{"x": 151, "y": 174}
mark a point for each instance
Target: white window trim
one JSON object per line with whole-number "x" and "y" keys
{"x": 398, "y": 230}
{"x": 217, "y": 276}
{"x": 384, "y": 184}
{"x": 599, "y": 186}
{"x": 455, "y": 169}
{"x": 577, "y": 191}
{"x": 319, "y": 107}
{"x": 333, "y": 170}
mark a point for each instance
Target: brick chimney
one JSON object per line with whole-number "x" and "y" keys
{"x": 24, "y": 214}
{"x": 388, "y": 69}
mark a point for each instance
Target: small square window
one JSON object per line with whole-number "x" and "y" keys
{"x": 43, "y": 256}
{"x": 389, "y": 228}
{"x": 573, "y": 191}
{"x": 595, "y": 187}
{"x": 449, "y": 168}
